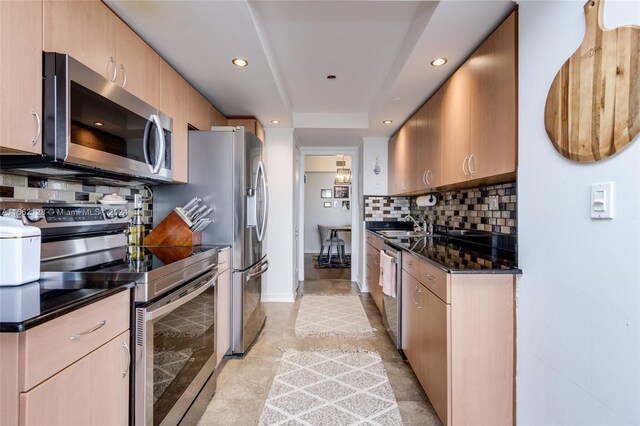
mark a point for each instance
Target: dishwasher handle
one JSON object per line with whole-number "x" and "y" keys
{"x": 161, "y": 310}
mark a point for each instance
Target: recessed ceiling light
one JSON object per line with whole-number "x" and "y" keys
{"x": 275, "y": 121}
{"x": 439, "y": 61}
{"x": 331, "y": 77}
{"x": 387, "y": 122}
{"x": 240, "y": 62}
{"x": 97, "y": 123}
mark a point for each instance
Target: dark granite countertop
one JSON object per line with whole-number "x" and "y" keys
{"x": 487, "y": 254}
{"x": 29, "y": 305}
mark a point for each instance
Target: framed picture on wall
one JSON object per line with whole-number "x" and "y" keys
{"x": 325, "y": 193}
{"x": 346, "y": 205}
{"x": 327, "y": 204}
{"x": 340, "y": 192}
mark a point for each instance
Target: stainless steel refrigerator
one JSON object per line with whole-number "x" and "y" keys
{"x": 226, "y": 170}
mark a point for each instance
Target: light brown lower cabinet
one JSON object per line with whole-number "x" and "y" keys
{"x": 92, "y": 391}
{"x": 461, "y": 346}
{"x": 71, "y": 370}
{"x": 223, "y": 312}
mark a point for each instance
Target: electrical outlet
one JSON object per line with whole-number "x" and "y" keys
{"x": 493, "y": 202}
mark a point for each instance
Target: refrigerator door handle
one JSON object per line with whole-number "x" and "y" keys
{"x": 261, "y": 178}
{"x": 258, "y": 270}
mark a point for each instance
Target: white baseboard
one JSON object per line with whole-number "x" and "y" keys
{"x": 278, "y": 298}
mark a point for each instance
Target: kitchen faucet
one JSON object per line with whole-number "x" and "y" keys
{"x": 416, "y": 225}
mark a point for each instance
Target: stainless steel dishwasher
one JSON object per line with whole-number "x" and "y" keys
{"x": 392, "y": 306}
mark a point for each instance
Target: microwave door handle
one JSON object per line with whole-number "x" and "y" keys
{"x": 145, "y": 143}
{"x": 160, "y": 142}
{"x": 171, "y": 306}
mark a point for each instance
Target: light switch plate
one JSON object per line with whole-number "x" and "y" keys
{"x": 602, "y": 200}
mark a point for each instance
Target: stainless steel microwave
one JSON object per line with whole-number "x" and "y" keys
{"x": 93, "y": 127}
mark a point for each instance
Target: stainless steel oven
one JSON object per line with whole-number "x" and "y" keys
{"x": 93, "y": 126}
{"x": 174, "y": 350}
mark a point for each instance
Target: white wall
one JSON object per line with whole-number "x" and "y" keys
{"x": 278, "y": 285}
{"x": 316, "y": 214}
{"x": 372, "y": 148}
{"x": 579, "y": 298}
{"x": 325, "y": 163}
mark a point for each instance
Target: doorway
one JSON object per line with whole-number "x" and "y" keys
{"x": 329, "y": 197}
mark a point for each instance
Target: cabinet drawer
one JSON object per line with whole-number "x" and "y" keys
{"x": 224, "y": 260}
{"x": 435, "y": 280}
{"x": 58, "y": 343}
{"x": 411, "y": 264}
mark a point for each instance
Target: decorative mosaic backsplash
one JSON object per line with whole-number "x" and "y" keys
{"x": 385, "y": 208}
{"x": 469, "y": 209}
{"x": 29, "y": 188}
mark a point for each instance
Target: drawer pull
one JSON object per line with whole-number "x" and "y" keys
{"x": 419, "y": 304}
{"x": 410, "y": 264}
{"x": 431, "y": 278}
{"x": 84, "y": 333}
{"x": 126, "y": 348}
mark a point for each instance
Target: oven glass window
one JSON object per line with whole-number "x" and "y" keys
{"x": 183, "y": 342}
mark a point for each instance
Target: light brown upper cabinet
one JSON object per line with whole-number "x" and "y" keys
{"x": 393, "y": 163}
{"x": 250, "y": 123}
{"x": 203, "y": 115}
{"x": 174, "y": 101}
{"x": 455, "y": 126}
{"x": 429, "y": 143}
{"x": 493, "y": 115}
{"x": 21, "y": 76}
{"x": 138, "y": 65}
{"x": 85, "y": 30}
{"x": 91, "y": 33}
{"x": 403, "y": 153}
{"x": 468, "y": 129}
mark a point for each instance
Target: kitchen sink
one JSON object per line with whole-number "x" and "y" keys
{"x": 402, "y": 233}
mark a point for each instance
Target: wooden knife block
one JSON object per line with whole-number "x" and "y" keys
{"x": 173, "y": 231}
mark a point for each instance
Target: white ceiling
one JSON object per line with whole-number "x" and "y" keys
{"x": 379, "y": 51}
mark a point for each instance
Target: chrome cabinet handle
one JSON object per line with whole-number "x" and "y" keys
{"x": 429, "y": 180}
{"x": 424, "y": 178}
{"x": 415, "y": 293}
{"x": 124, "y": 75}
{"x": 431, "y": 278}
{"x": 39, "y": 131}
{"x": 472, "y": 161}
{"x": 126, "y": 348}
{"x": 409, "y": 263}
{"x": 420, "y": 304}
{"x": 115, "y": 69}
{"x": 464, "y": 163}
{"x": 91, "y": 330}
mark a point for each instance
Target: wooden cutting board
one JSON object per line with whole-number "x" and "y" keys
{"x": 593, "y": 106}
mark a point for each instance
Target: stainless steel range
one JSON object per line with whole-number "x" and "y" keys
{"x": 173, "y": 315}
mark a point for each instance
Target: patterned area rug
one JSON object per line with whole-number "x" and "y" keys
{"x": 328, "y": 316}
{"x": 331, "y": 387}
{"x": 335, "y": 261}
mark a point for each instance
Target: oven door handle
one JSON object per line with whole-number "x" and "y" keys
{"x": 185, "y": 299}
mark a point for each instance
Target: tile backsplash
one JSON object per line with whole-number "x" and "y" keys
{"x": 385, "y": 208}
{"x": 469, "y": 209}
{"x": 40, "y": 188}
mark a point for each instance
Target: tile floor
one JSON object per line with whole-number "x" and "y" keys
{"x": 243, "y": 384}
